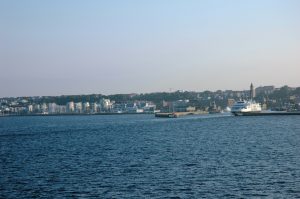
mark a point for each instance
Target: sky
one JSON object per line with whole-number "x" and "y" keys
{"x": 63, "y": 47}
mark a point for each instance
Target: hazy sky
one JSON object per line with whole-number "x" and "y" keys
{"x": 81, "y": 47}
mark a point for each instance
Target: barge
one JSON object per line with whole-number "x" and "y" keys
{"x": 179, "y": 114}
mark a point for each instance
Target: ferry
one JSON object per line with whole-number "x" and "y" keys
{"x": 242, "y": 107}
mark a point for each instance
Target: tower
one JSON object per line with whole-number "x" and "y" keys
{"x": 252, "y": 92}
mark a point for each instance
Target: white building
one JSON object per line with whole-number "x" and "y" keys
{"x": 94, "y": 108}
{"x": 52, "y": 108}
{"x": 30, "y": 108}
{"x": 106, "y": 105}
{"x": 86, "y": 107}
{"x": 70, "y": 107}
{"x": 44, "y": 108}
{"x": 78, "y": 107}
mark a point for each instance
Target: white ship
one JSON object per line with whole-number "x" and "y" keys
{"x": 241, "y": 107}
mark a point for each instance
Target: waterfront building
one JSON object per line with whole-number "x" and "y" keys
{"x": 52, "y": 108}
{"x": 134, "y": 109}
{"x": 70, "y": 107}
{"x": 179, "y": 106}
{"x": 86, "y": 107}
{"x": 78, "y": 107}
{"x": 44, "y": 108}
{"x": 150, "y": 108}
{"x": 30, "y": 108}
{"x": 119, "y": 107}
{"x": 94, "y": 108}
{"x": 106, "y": 105}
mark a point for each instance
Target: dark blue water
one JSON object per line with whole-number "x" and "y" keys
{"x": 139, "y": 156}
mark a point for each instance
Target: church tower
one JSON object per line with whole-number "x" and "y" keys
{"x": 252, "y": 92}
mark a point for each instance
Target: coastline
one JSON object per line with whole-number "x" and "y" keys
{"x": 73, "y": 114}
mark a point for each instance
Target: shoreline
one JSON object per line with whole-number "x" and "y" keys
{"x": 73, "y": 114}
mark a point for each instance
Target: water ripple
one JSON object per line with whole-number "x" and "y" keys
{"x": 139, "y": 156}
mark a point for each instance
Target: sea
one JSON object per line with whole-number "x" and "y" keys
{"x": 140, "y": 156}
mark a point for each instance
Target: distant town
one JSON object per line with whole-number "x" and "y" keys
{"x": 271, "y": 98}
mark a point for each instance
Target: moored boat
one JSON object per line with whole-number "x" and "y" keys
{"x": 168, "y": 115}
{"x": 241, "y": 107}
